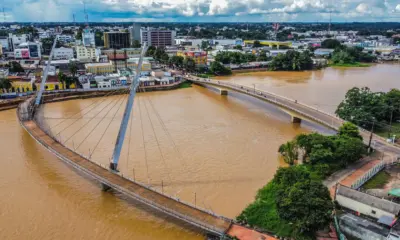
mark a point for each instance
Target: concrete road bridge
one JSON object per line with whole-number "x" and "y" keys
{"x": 109, "y": 177}
{"x": 296, "y": 110}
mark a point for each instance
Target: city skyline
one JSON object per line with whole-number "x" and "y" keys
{"x": 201, "y": 10}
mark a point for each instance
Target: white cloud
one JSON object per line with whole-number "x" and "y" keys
{"x": 200, "y": 10}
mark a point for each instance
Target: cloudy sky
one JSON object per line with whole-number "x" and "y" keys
{"x": 202, "y": 10}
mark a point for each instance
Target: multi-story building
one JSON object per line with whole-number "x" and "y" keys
{"x": 65, "y": 38}
{"x": 123, "y": 53}
{"x": 199, "y": 57}
{"x": 134, "y": 32}
{"x": 99, "y": 68}
{"x": 16, "y": 40}
{"x": 116, "y": 40}
{"x": 88, "y": 38}
{"x": 87, "y": 54}
{"x": 157, "y": 37}
{"x": 114, "y": 65}
{"x": 27, "y": 50}
{"x": 4, "y": 43}
{"x": 63, "y": 53}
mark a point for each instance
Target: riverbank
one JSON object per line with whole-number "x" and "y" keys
{"x": 356, "y": 64}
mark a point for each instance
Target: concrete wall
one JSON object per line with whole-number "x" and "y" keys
{"x": 361, "y": 208}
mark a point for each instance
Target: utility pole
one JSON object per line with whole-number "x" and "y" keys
{"x": 370, "y": 137}
{"x": 391, "y": 117}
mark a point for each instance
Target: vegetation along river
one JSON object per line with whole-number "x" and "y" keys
{"x": 191, "y": 141}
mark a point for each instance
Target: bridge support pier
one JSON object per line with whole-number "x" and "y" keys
{"x": 223, "y": 92}
{"x": 105, "y": 187}
{"x": 296, "y": 119}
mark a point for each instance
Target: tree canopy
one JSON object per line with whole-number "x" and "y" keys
{"x": 362, "y": 107}
{"x": 330, "y": 43}
{"x": 218, "y": 69}
{"x": 16, "y": 67}
{"x": 226, "y": 57}
{"x": 292, "y": 61}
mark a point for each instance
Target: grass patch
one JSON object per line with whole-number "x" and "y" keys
{"x": 206, "y": 75}
{"x": 378, "y": 181}
{"x": 263, "y": 213}
{"x": 384, "y": 132}
{"x": 185, "y": 85}
{"x": 356, "y": 64}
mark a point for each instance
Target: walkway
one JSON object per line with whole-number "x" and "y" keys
{"x": 299, "y": 109}
{"x": 204, "y": 220}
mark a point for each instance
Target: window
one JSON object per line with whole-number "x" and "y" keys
{"x": 373, "y": 212}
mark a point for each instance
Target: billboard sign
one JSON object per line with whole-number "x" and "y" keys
{"x": 25, "y": 53}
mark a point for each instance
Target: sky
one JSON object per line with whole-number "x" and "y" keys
{"x": 201, "y": 10}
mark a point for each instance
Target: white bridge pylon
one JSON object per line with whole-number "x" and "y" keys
{"x": 128, "y": 109}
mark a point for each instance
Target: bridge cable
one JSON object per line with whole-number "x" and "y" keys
{"x": 77, "y": 131}
{"x": 129, "y": 143}
{"x": 144, "y": 143}
{"x": 94, "y": 102}
{"x": 91, "y": 131}
{"x": 186, "y": 169}
{"x": 158, "y": 143}
{"x": 102, "y": 135}
{"x": 84, "y": 115}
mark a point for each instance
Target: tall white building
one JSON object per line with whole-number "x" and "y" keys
{"x": 134, "y": 32}
{"x": 157, "y": 37}
{"x": 16, "y": 40}
{"x": 63, "y": 53}
{"x": 88, "y": 38}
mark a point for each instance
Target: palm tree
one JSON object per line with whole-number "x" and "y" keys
{"x": 5, "y": 84}
{"x": 61, "y": 78}
{"x": 289, "y": 152}
{"x": 73, "y": 68}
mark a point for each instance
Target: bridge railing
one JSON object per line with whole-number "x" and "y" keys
{"x": 148, "y": 187}
{"x": 260, "y": 93}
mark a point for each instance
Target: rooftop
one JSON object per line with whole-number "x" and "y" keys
{"x": 367, "y": 199}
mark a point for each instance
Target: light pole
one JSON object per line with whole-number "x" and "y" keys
{"x": 254, "y": 85}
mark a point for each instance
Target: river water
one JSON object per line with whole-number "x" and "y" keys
{"x": 187, "y": 142}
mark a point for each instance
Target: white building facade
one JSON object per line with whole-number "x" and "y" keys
{"x": 63, "y": 53}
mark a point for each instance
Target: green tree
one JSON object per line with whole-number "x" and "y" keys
{"x": 306, "y": 204}
{"x": 136, "y": 44}
{"x": 150, "y": 51}
{"x": 176, "y": 61}
{"x": 204, "y": 45}
{"x": 47, "y": 44}
{"x": 16, "y": 67}
{"x": 5, "y": 84}
{"x": 392, "y": 100}
{"x": 73, "y": 69}
{"x": 289, "y": 152}
{"x": 79, "y": 34}
{"x": 257, "y": 44}
{"x": 362, "y": 107}
{"x": 189, "y": 64}
{"x": 349, "y": 130}
{"x": 292, "y": 61}
{"x": 348, "y": 150}
{"x": 330, "y": 43}
{"x": 218, "y": 69}
{"x": 62, "y": 78}
{"x": 238, "y": 47}
{"x": 320, "y": 155}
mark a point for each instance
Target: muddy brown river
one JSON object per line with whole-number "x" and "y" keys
{"x": 189, "y": 142}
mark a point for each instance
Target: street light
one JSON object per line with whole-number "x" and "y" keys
{"x": 254, "y": 85}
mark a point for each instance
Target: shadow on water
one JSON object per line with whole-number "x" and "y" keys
{"x": 64, "y": 184}
{"x": 277, "y": 113}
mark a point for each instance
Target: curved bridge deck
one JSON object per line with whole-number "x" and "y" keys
{"x": 202, "y": 219}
